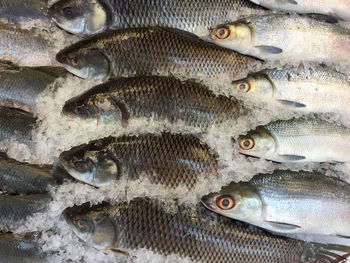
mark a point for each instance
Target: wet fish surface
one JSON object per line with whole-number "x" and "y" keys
{"x": 289, "y": 37}
{"x": 16, "y": 209}
{"x": 306, "y": 89}
{"x": 298, "y": 140}
{"x": 157, "y": 97}
{"x": 24, "y": 178}
{"x": 287, "y": 202}
{"x": 16, "y": 125}
{"x": 145, "y": 224}
{"x": 21, "y": 86}
{"x": 25, "y": 47}
{"x": 150, "y": 51}
{"x": 90, "y": 17}
{"x": 170, "y": 160}
{"x": 338, "y": 8}
{"x": 17, "y": 249}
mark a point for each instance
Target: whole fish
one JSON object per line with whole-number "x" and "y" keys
{"x": 25, "y": 47}
{"x": 16, "y": 125}
{"x": 336, "y": 8}
{"x": 21, "y": 86}
{"x": 288, "y": 37}
{"x": 150, "y": 51}
{"x": 158, "y": 97}
{"x": 90, "y": 16}
{"x": 287, "y": 202}
{"x": 318, "y": 89}
{"x": 16, "y": 209}
{"x": 145, "y": 224}
{"x": 17, "y": 249}
{"x": 169, "y": 159}
{"x": 25, "y": 11}
{"x": 298, "y": 140}
{"x": 24, "y": 178}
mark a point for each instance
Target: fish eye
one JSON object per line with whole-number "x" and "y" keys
{"x": 80, "y": 165}
{"x": 75, "y": 61}
{"x": 81, "y": 223}
{"x": 82, "y": 111}
{"x": 246, "y": 143}
{"x": 222, "y": 33}
{"x": 67, "y": 11}
{"x": 243, "y": 87}
{"x": 225, "y": 202}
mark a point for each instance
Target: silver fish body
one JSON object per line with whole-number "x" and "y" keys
{"x": 288, "y": 202}
{"x": 305, "y": 89}
{"x": 90, "y": 17}
{"x": 298, "y": 140}
{"x": 17, "y": 249}
{"x": 288, "y": 37}
{"x": 337, "y": 8}
{"x": 16, "y": 209}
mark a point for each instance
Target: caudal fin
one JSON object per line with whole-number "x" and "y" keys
{"x": 322, "y": 253}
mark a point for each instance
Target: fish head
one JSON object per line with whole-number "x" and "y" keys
{"x": 258, "y": 143}
{"x": 84, "y": 61}
{"x": 81, "y": 108}
{"x": 80, "y": 17}
{"x": 92, "y": 225}
{"x": 238, "y": 201}
{"x": 255, "y": 86}
{"x": 236, "y": 36}
{"x": 91, "y": 166}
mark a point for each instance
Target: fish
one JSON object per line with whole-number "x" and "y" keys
{"x": 90, "y": 17}
{"x": 340, "y": 9}
{"x": 317, "y": 89}
{"x": 14, "y": 248}
{"x": 195, "y": 234}
{"x": 26, "y": 47}
{"x": 298, "y": 140}
{"x": 292, "y": 38}
{"x": 16, "y": 125}
{"x": 25, "y": 11}
{"x": 21, "y": 86}
{"x": 153, "y": 96}
{"x": 170, "y": 160}
{"x": 15, "y": 209}
{"x": 150, "y": 51}
{"x": 24, "y": 178}
{"x": 287, "y": 202}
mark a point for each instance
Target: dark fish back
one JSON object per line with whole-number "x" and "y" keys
{"x": 200, "y": 236}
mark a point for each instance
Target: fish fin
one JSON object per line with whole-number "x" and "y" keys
{"x": 52, "y": 71}
{"x": 292, "y": 103}
{"x": 326, "y": 253}
{"x": 4, "y": 155}
{"x": 293, "y": 2}
{"x": 342, "y": 236}
{"x": 118, "y": 251}
{"x": 182, "y": 33}
{"x": 269, "y": 49}
{"x": 123, "y": 109}
{"x": 324, "y": 18}
{"x": 289, "y": 157}
{"x": 282, "y": 226}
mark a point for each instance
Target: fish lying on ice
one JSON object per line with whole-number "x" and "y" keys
{"x": 150, "y": 51}
{"x": 145, "y": 224}
{"x": 289, "y": 38}
{"x": 287, "y": 202}
{"x": 170, "y": 160}
{"x": 89, "y": 17}
{"x": 156, "y": 97}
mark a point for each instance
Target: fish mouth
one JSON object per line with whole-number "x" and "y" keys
{"x": 207, "y": 202}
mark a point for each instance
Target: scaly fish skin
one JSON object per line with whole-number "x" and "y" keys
{"x": 144, "y": 224}
{"x": 150, "y": 51}
{"x": 336, "y": 8}
{"x": 298, "y": 140}
{"x": 157, "y": 97}
{"x": 89, "y": 17}
{"x": 316, "y": 90}
{"x": 288, "y": 37}
{"x": 16, "y": 249}
{"x": 287, "y": 202}
{"x": 168, "y": 159}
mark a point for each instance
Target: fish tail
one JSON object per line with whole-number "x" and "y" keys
{"x": 325, "y": 253}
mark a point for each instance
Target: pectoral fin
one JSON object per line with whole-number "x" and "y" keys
{"x": 118, "y": 251}
{"x": 269, "y": 49}
{"x": 282, "y": 226}
{"x": 337, "y": 235}
{"x": 292, "y": 103}
{"x": 288, "y": 157}
{"x": 293, "y": 2}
